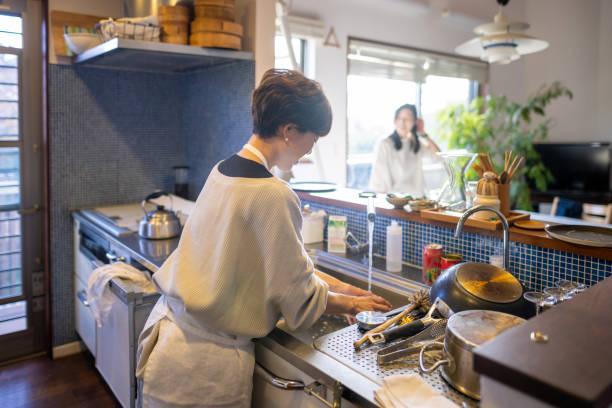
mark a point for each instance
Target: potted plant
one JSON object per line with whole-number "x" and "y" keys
{"x": 495, "y": 125}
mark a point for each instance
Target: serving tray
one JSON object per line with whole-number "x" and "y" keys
{"x": 582, "y": 235}
{"x": 452, "y": 217}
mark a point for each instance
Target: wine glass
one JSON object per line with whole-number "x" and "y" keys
{"x": 539, "y": 299}
{"x": 568, "y": 287}
{"x": 557, "y": 294}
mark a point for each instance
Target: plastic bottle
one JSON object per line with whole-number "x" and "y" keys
{"x": 394, "y": 247}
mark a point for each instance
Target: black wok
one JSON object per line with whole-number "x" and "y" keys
{"x": 470, "y": 286}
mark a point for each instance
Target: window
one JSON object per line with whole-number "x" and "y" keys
{"x": 382, "y": 77}
{"x": 281, "y": 52}
{"x": 12, "y": 315}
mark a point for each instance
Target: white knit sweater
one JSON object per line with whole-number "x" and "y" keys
{"x": 240, "y": 264}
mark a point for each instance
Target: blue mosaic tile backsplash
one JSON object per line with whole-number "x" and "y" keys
{"x": 114, "y": 136}
{"x": 536, "y": 267}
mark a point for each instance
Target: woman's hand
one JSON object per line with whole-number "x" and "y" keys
{"x": 420, "y": 126}
{"x": 339, "y": 303}
{"x": 369, "y": 303}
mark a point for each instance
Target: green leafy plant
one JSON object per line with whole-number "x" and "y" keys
{"x": 495, "y": 124}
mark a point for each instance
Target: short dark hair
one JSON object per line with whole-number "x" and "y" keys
{"x": 284, "y": 96}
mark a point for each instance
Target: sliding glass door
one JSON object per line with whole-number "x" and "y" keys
{"x": 22, "y": 278}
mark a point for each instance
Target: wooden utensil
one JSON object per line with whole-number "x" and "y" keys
{"x": 419, "y": 299}
{"x": 478, "y": 169}
{"x": 515, "y": 168}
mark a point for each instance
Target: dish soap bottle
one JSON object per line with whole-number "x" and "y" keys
{"x": 394, "y": 247}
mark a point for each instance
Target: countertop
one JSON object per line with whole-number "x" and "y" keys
{"x": 348, "y": 198}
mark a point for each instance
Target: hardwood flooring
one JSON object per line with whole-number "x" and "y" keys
{"x": 71, "y": 381}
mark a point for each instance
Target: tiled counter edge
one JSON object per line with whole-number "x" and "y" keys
{"x": 535, "y": 266}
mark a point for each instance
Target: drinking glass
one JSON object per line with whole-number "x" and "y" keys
{"x": 470, "y": 193}
{"x": 557, "y": 294}
{"x": 570, "y": 288}
{"x": 538, "y": 298}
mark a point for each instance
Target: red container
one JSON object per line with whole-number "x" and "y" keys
{"x": 432, "y": 262}
{"x": 449, "y": 260}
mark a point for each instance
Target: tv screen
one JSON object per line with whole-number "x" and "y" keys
{"x": 577, "y": 166}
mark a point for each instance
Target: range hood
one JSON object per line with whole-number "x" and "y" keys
{"x": 159, "y": 57}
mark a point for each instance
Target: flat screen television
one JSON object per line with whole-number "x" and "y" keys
{"x": 577, "y": 166}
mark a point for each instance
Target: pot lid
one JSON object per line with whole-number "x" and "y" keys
{"x": 488, "y": 282}
{"x": 475, "y": 327}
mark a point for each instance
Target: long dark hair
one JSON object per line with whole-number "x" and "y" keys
{"x": 415, "y": 145}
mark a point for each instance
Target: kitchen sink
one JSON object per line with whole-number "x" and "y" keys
{"x": 396, "y": 293}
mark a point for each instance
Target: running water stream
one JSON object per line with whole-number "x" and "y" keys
{"x": 371, "y": 218}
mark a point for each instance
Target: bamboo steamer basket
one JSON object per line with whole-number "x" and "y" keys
{"x": 181, "y": 39}
{"x": 170, "y": 29}
{"x": 221, "y": 3}
{"x": 216, "y": 25}
{"x": 173, "y": 14}
{"x": 223, "y": 13}
{"x": 217, "y": 40}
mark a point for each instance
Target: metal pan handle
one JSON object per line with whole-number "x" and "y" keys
{"x": 436, "y": 364}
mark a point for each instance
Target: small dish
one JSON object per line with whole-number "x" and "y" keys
{"x": 422, "y": 204}
{"x": 81, "y": 42}
{"x": 530, "y": 224}
{"x": 370, "y": 320}
{"x": 397, "y": 201}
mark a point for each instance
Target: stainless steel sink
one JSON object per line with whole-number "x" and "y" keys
{"x": 395, "y": 292}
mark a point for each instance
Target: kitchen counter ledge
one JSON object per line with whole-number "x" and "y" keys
{"x": 349, "y": 198}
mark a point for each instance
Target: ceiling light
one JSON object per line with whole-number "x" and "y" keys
{"x": 501, "y": 42}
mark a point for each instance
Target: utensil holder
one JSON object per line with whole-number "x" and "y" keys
{"x": 503, "y": 192}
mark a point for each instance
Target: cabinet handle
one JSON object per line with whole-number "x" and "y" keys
{"x": 277, "y": 381}
{"x": 83, "y": 298}
{"x": 298, "y": 385}
{"x": 112, "y": 257}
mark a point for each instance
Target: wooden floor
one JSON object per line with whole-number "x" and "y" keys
{"x": 71, "y": 381}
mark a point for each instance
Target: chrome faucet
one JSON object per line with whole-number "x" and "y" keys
{"x": 505, "y": 225}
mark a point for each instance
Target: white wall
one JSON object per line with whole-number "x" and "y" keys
{"x": 573, "y": 57}
{"x": 604, "y": 73}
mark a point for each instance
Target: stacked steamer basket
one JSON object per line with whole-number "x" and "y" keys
{"x": 174, "y": 22}
{"x": 214, "y": 25}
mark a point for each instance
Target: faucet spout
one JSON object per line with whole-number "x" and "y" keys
{"x": 505, "y": 226}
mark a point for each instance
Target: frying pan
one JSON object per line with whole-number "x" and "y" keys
{"x": 470, "y": 286}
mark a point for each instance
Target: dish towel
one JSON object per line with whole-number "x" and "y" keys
{"x": 99, "y": 294}
{"x": 409, "y": 391}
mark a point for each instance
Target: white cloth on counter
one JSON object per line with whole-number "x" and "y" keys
{"x": 239, "y": 267}
{"x": 99, "y": 295}
{"x": 409, "y": 391}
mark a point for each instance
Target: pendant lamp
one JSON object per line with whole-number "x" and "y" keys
{"x": 501, "y": 42}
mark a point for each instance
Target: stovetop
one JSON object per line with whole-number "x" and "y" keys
{"x": 123, "y": 219}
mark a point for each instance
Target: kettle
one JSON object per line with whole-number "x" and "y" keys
{"x": 159, "y": 223}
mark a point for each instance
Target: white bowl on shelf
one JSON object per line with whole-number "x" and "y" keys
{"x": 81, "y": 42}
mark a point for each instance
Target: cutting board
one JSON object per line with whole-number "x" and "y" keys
{"x": 59, "y": 19}
{"x": 453, "y": 217}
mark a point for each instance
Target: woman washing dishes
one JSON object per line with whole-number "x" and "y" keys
{"x": 398, "y": 166}
{"x": 240, "y": 264}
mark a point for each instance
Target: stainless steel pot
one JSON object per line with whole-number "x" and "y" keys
{"x": 159, "y": 223}
{"x": 465, "y": 331}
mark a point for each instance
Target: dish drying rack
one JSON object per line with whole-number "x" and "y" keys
{"x": 339, "y": 346}
{"x": 125, "y": 28}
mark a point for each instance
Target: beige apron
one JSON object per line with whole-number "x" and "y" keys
{"x": 179, "y": 365}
